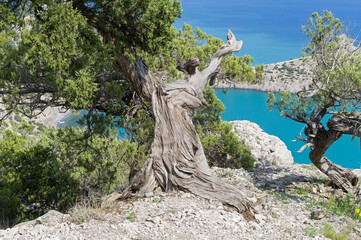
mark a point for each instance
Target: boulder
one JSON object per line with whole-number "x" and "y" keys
{"x": 267, "y": 149}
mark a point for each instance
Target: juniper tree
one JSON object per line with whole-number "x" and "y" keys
{"x": 330, "y": 106}
{"x": 105, "y": 56}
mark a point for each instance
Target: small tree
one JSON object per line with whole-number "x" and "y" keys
{"x": 333, "y": 98}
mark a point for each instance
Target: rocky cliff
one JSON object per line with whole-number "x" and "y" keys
{"x": 267, "y": 149}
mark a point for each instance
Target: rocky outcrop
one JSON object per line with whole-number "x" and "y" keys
{"x": 293, "y": 75}
{"x": 267, "y": 149}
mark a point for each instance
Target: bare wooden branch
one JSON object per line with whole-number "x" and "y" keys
{"x": 190, "y": 66}
{"x": 200, "y": 78}
{"x": 304, "y": 147}
{"x": 346, "y": 123}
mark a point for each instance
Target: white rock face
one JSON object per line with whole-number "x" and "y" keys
{"x": 266, "y": 149}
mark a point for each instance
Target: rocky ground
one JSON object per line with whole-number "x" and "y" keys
{"x": 292, "y": 75}
{"x": 285, "y": 198}
{"x": 288, "y": 198}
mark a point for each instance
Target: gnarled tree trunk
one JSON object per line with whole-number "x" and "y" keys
{"x": 340, "y": 176}
{"x": 177, "y": 160}
{"x": 322, "y": 139}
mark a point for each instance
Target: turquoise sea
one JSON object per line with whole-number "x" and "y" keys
{"x": 271, "y": 32}
{"x": 251, "y": 105}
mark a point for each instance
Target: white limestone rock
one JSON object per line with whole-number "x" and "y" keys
{"x": 267, "y": 149}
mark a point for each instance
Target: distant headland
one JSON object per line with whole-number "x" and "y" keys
{"x": 292, "y": 75}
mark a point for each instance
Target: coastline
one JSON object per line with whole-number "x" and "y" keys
{"x": 52, "y": 116}
{"x": 61, "y": 118}
{"x": 258, "y": 87}
{"x": 292, "y": 75}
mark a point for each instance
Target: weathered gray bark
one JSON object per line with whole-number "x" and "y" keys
{"x": 340, "y": 176}
{"x": 177, "y": 160}
{"x": 322, "y": 139}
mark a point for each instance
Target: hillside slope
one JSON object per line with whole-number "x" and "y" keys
{"x": 292, "y": 75}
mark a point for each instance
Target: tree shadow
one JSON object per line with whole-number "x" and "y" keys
{"x": 264, "y": 179}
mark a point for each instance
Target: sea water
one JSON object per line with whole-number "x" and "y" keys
{"x": 251, "y": 105}
{"x": 270, "y": 30}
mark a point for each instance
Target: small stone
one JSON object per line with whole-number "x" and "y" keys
{"x": 254, "y": 226}
{"x": 148, "y": 194}
{"x": 260, "y": 217}
{"x": 318, "y": 214}
{"x": 227, "y": 226}
{"x": 357, "y": 230}
{"x": 22, "y": 231}
{"x": 155, "y": 220}
{"x": 73, "y": 226}
{"x": 186, "y": 195}
{"x": 148, "y": 224}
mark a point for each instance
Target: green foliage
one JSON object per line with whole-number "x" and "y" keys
{"x": 140, "y": 25}
{"x": 33, "y": 179}
{"x": 335, "y": 70}
{"x": 158, "y": 200}
{"x": 221, "y": 146}
{"x": 335, "y": 64}
{"x": 240, "y": 69}
{"x": 289, "y": 105}
{"x": 72, "y": 64}
{"x": 80, "y": 93}
{"x": 189, "y": 43}
{"x": 45, "y": 57}
{"x": 311, "y": 231}
{"x": 321, "y": 29}
{"x": 347, "y": 205}
{"x": 55, "y": 167}
{"x": 259, "y": 72}
{"x": 101, "y": 163}
{"x": 131, "y": 216}
{"x": 299, "y": 191}
{"x": 40, "y": 180}
{"x": 329, "y": 232}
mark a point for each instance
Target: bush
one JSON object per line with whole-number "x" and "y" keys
{"x": 32, "y": 181}
{"x": 221, "y": 146}
{"x": 101, "y": 163}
